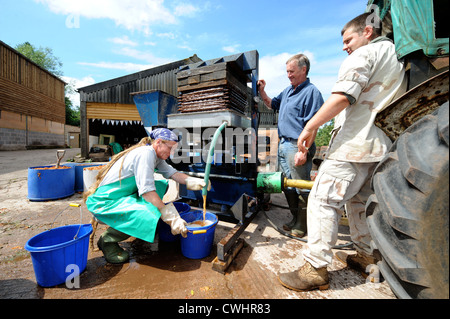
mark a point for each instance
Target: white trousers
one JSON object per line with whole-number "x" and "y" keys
{"x": 337, "y": 184}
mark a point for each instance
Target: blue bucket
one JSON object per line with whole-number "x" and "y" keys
{"x": 53, "y": 250}
{"x": 164, "y": 230}
{"x": 199, "y": 240}
{"x": 45, "y": 183}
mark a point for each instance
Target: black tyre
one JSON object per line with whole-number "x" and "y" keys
{"x": 408, "y": 213}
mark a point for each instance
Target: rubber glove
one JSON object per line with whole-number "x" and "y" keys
{"x": 196, "y": 184}
{"x": 170, "y": 216}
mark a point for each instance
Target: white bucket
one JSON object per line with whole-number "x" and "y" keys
{"x": 90, "y": 175}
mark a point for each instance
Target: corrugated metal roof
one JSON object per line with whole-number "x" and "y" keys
{"x": 118, "y": 90}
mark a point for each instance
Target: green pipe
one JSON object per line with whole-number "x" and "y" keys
{"x": 210, "y": 156}
{"x": 270, "y": 182}
{"x": 276, "y": 182}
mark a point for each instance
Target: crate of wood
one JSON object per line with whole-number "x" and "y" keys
{"x": 212, "y": 87}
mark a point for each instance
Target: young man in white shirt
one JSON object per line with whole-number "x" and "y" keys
{"x": 369, "y": 79}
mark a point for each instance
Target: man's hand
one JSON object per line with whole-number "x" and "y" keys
{"x": 300, "y": 158}
{"x": 267, "y": 100}
{"x": 305, "y": 140}
{"x": 261, "y": 85}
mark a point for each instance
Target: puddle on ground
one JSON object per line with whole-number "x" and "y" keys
{"x": 152, "y": 273}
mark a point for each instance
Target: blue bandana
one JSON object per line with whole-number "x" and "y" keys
{"x": 164, "y": 134}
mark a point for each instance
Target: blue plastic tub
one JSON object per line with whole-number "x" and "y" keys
{"x": 164, "y": 230}
{"x": 53, "y": 250}
{"x": 48, "y": 183}
{"x": 79, "y": 186}
{"x": 199, "y": 240}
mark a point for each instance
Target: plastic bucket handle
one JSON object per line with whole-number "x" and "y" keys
{"x": 195, "y": 232}
{"x": 81, "y": 215}
{"x": 201, "y": 231}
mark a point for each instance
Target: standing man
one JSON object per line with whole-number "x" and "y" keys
{"x": 369, "y": 79}
{"x": 297, "y": 104}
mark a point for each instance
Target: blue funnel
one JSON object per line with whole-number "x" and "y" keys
{"x": 154, "y": 106}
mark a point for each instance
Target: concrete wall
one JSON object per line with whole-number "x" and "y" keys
{"x": 19, "y": 132}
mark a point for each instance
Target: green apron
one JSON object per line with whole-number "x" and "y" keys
{"x": 118, "y": 205}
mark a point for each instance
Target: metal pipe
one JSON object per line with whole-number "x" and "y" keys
{"x": 276, "y": 182}
{"x": 298, "y": 183}
{"x": 202, "y": 175}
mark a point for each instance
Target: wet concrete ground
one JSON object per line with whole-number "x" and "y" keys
{"x": 157, "y": 270}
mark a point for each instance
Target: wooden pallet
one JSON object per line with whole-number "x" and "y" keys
{"x": 212, "y": 87}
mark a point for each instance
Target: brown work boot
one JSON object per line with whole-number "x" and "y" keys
{"x": 306, "y": 278}
{"x": 359, "y": 261}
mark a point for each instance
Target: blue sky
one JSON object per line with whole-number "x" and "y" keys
{"x": 98, "y": 40}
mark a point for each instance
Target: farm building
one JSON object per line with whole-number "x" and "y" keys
{"x": 108, "y": 113}
{"x": 32, "y": 107}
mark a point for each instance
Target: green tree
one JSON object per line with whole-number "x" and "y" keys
{"x": 324, "y": 134}
{"x": 45, "y": 59}
{"x": 72, "y": 113}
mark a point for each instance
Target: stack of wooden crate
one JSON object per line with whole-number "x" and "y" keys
{"x": 218, "y": 86}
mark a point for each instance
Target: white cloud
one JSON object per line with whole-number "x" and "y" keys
{"x": 185, "y": 9}
{"x": 323, "y": 74}
{"x": 272, "y": 68}
{"x": 77, "y": 83}
{"x": 123, "y": 41}
{"x": 231, "y": 48}
{"x": 131, "y": 14}
{"x": 185, "y": 47}
{"x": 127, "y": 67}
{"x": 143, "y": 56}
{"x": 168, "y": 35}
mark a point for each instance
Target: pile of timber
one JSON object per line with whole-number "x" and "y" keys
{"x": 219, "y": 86}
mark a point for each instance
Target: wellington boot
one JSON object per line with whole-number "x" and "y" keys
{"x": 300, "y": 227}
{"x": 108, "y": 244}
{"x": 306, "y": 278}
{"x": 292, "y": 200}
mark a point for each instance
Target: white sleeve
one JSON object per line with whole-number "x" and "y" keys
{"x": 165, "y": 169}
{"x": 144, "y": 170}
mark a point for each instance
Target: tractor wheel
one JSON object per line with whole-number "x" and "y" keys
{"x": 408, "y": 213}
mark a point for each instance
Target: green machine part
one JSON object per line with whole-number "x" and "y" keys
{"x": 416, "y": 25}
{"x": 276, "y": 182}
{"x": 270, "y": 182}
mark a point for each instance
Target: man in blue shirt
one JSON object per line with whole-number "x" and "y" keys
{"x": 297, "y": 104}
